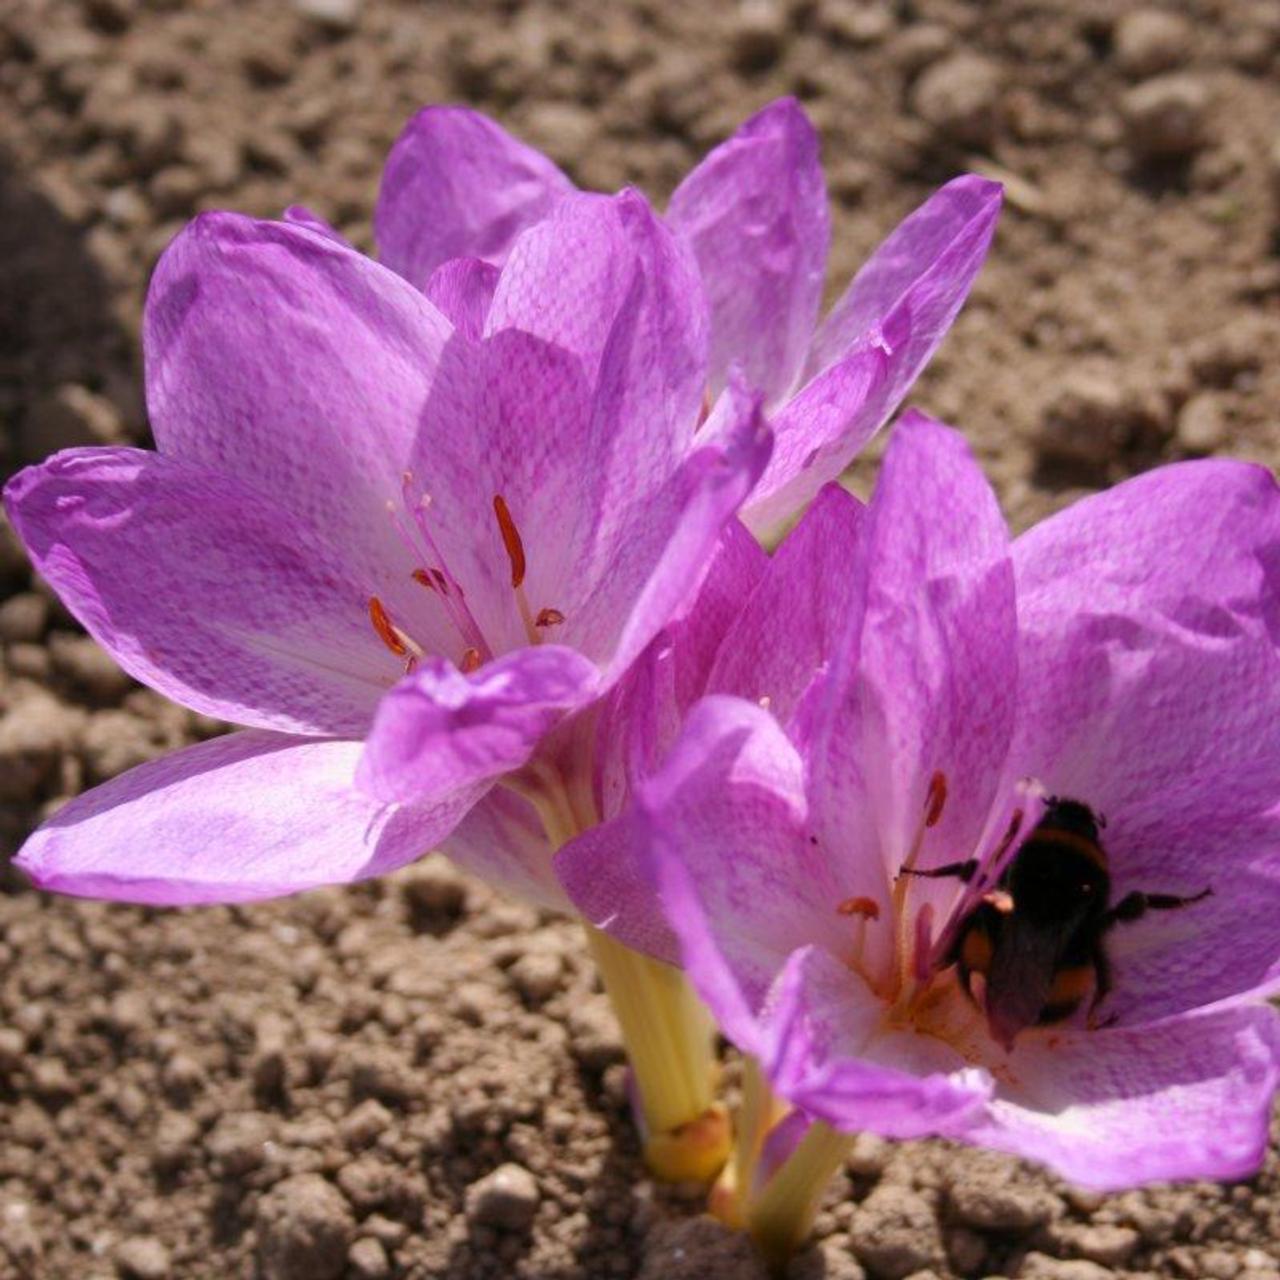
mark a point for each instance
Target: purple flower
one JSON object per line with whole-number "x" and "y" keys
{"x": 754, "y": 213}
{"x": 1122, "y": 655}
{"x": 471, "y": 506}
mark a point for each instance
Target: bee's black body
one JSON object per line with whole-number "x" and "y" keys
{"x": 1037, "y": 938}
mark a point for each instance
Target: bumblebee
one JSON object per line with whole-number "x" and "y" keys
{"x": 1038, "y": 937}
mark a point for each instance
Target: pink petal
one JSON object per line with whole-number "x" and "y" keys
{"x": 875, "y": 342}
{"x": 1150, "y": 616}
{"x": 925, "y": 681}
{"x": 278, "y": 355}
{"x": 462, "y": 291}
{"x": 502, "y": 842}
{"x": 253, "y": 815}
{"x": 1187, "y": 1098}
{"x": 755, "y": 213}
{"x": 786, "y": 628}
{"x": 457, "y": 185}
{"x": 206, "y": 590}
{"x": 439, "y": 730}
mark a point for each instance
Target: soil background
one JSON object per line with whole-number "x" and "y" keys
{"x": 413, "y": 1078}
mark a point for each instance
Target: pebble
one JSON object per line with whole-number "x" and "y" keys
{"x": 868, "y": 1156}
{"x": 337, "y": 15}
{"x": 142, "y": 1258}
{"x": 24, "y": 617}
{"x": 1202, "y": 424}
{"x": 114, "y": 741}
{"x": 364, "y": 1125}
{"x": 506, "y": 1198}
{"x": 758, "y": 36}
{"x": 367, "y": 1260}
{"x": 84, "y": 662}
{"x": 699, "y": 1249}
{"x": 435, "y": 887}
{"x": 987, "y": 1197}
{"x": 1087, "y": 421}
{"x": 236, "y": 1144}
{"x": 595, "y": 1037}
{"x": 1166, "y": 117}
{"x": 1148, "y": 41}
{"x": 34, "y": 732}
{"x": 826, "y": 1260}
{"x": 538, "y": 975}
{"x": 960, "y": 97}
{"x": 367, "y": 1183}
{"x": 175, "y": 1142}
{"x": 304, "y": 1230}
{"x": 1108, "y": 1246}
{"x": 1039, "y": 1266}
{"x": 895, "y": 1232}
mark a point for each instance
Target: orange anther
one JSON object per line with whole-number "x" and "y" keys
{"x": 548, "y": 618}
{"x": 470, "y": 661}
{"x": 423, "y": 579}
{"x": 386, "y": 632}
{"x": 1000, "y": 900}
{"x": 867, "y": 908}
{"x": 937, "y": 798}
{"x": 510, "y": 538}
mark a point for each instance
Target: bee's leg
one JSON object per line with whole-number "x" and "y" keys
{"x": 1101, "y": 989}
{"x": 1133, "y": 906}
{"x": 960, "y": 870}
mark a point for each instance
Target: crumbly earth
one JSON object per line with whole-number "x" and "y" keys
{"x": 414, "y": 1078}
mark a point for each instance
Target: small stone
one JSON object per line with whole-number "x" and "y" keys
{"x": 960, "y": 97}
{"x": 175, "y": 1142}
{"x": 380, "y": 1073}
{"x": 758, "y": 36}
{"x": 594, "y": 1035}
{"x": 1202, "y": 424}
{"x": 51, "y": 1082}
{"x": 363, "y": 1126}
{"x": 304, "y": 1230}
{"x": 825, "y": 1260}
{"x": 699, "y": 1249}
{"x": 966, "y": 1249}
{"x": 31, "y": 662}
{"x": 920, "y": 45}
{"x": 1107, "y": 1245}
{"x": 24, "y": 617}
{"x": 13, "y": 1045}
{"x": 183, "y": 1077}
{"x": 237, "y": 1143}
{"x": 367, "y": 1183}
{"x": 68, "y": 418}
{"x": 868, "y": 1155}
{"x": 1039, "y": 1266}
{"x": 86, "y": 664}
{"x": 894, "y": 1232}
{"x": 1087, "y": 420}
{"x": 435, "y": 887}
{"x": 989, "y": 1197}
{"x": 538, "y": 975}
{"x": 506, "y": 1198}
{"x": 142, "y": 1258}
{"x": 1148, "y": 41}
{"x": 336, "y": 15}
{"x": 1166, "y": 117}
{"x": 114, "y": 741}
{"x": 368, "y": 1260}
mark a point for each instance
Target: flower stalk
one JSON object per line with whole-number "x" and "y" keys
{"x": 781, "y": 1215}
{"x": 666, "y": 1030}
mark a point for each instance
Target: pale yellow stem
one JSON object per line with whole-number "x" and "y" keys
{"x": 782, "y": 1216}
{"x": 666, "y": 1030}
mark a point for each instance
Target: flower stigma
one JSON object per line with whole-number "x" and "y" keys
{"x": 416, "y": 534}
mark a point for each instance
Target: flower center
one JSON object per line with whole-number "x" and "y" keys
{"x": 417, "y": 535}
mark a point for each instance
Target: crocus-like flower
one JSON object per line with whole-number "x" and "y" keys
{"x": 473, "y": 503}
{"x": 754, "y": 213}
{"x": 1121, "y": 656}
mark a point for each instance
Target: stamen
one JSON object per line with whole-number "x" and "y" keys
{"x": 867, "y": 908}
{"x": 510, "y": 539}
{"x": 937, "y": 799}
{"x": 1000, "y": 900}
{"x": 471, "y": 661}
{"x": 423, "y": 579}
{"x": 548, "y": 618}
{"x": 388, "y": 634}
